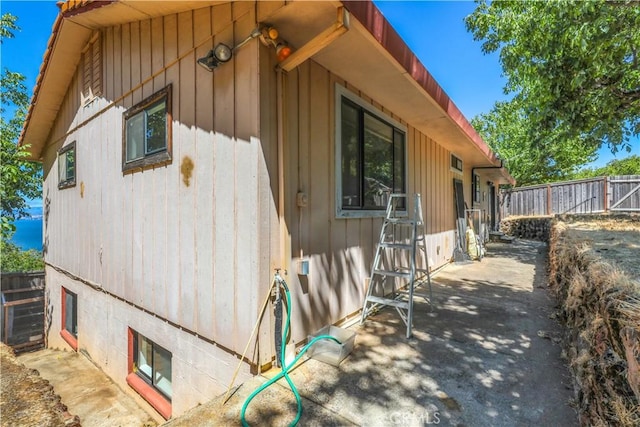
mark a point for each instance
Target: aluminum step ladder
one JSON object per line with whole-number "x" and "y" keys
{"x": 395, "y": 274}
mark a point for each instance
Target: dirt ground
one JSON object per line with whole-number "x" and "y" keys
{"x": 26, "y": 399}
{"x": 615, "y": 239}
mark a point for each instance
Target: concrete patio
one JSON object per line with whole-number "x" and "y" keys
{"x": 487, "y": 354}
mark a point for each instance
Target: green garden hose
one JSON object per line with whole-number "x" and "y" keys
{"x": 285, "y": 368}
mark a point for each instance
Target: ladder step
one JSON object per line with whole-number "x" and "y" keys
{"x": 396, "y": 246}
{"x": 392, "y": 273}
{"x": 400, "y": 221}
{"x": 388, "y": 301}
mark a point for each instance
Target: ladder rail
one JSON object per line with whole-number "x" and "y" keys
{"x": 399, "y": 227}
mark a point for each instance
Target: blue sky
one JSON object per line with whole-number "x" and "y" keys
{"x": 434, "y": 30}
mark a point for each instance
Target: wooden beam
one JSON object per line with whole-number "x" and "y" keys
{"x": 319, "y": 42}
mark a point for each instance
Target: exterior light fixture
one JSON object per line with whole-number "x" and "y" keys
{"x": 218, "y": 55}
{"x": 269, "y": 36}
{"x": 282, "y": 51}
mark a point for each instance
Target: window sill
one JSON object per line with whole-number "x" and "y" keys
{"x": 155, "y": 399}
{"x": 162, "y": 158}
{"x": 68, "y": 184}
{"x": 70, "y": 339}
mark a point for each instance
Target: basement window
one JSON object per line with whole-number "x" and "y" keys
{"x": 69, "y": 309}
{"x": 147, "y": 132}
{"x": 371, "y": 156}
{"x": 67, "y": 166}
{"x": 150, "y": 372}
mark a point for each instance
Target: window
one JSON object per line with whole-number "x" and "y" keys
{"x": 371, "y": 156}
{"x": 67, "y": 166}
{"x": 69, "y": 311}
{"x": 150, "y": 372}
{"x": 92, "y": 69}
{"x": 456, "y": 164}
{"x": 476, "y": 188}
{"x": 147, "y": 132}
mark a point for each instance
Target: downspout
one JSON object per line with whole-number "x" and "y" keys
{"x": 473, "y": 170}
{"x": 280, "y": 149}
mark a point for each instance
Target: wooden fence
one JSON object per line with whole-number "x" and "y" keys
{"x": 594, "y": 195}
{"x": 23, "y": 310}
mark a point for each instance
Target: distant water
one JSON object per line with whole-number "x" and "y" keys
{"x": 28, "y": 233}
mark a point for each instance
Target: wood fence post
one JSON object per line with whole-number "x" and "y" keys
{"x": 606, "y": 194}
{"x": 548, "y": 199}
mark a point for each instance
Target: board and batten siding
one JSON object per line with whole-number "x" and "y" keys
{"x": 341, "y": 250}
{"x": 190, "y": 248}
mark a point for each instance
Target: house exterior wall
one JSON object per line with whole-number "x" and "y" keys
{"x": 184, "y": 253}
{"x": 181, "y": 252}
{"x": 340, "y": 250}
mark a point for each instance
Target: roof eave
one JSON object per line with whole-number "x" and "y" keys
{"x": 376, "y": 24}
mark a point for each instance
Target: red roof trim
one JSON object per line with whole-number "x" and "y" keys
{"x": 368, "y": 15}
{"x": 74, "y": 7}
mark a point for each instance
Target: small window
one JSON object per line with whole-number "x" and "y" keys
{"x": 92, "y": 70}
{"x": 67, "y": 166}
{"x": 372, "y": 160}
{"x": 147, "y": 132}
{"x": 69, "y": 311}
{"x": 456, "y": 163}
{"x": 150, "y": 372}
{"x": 476, "y": 188}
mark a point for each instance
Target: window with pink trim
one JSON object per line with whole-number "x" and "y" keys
{"x": 69, "y": 331}
{"x": 150, "y": 372}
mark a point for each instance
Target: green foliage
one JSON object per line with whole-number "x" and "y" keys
{"x": 572, "y": 64}
{"x": 627, "y": 166}
{"x": 531, "y": 156}
{"x": 13, "y": 259}
{"x": 572, "y": 67}
{"x": 20, "y": 179}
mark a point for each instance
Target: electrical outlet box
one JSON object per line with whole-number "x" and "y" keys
{"x": 303, "y": 267}
{"x": 302, "y": 199}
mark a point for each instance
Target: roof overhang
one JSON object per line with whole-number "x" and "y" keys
{"x": 373, "y": 57}
{"x": 71, "y": 31}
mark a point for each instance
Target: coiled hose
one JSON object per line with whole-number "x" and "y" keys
{"x": 285, "y": 368}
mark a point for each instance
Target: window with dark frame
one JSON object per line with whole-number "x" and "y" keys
{"x": 69, "y": 310}
{"x": 372, "y": 158}
{"x": 67, "y": 166}
{"x": 456, "y": 163}
{"x": 476, "y": 188}
{"x": 147, "y": 132}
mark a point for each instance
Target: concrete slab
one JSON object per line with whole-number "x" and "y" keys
{"x": 86, "y": 390}
{"x": 485, "y": 355}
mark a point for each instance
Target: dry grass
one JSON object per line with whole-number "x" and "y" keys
{"x": 600, "y": 304}
{"x": 27, "y": 399}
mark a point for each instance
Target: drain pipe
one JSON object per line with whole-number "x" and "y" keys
{"x": 473, "y": 170}
{"x": 279, "y": 344}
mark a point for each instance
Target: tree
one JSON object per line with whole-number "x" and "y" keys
{"x": 572, "y": 67}
{"x": 21, "y": 180}
{"x": 627, "y": 166}
{"x": 530, "y": 157}
{"x": 15, "y": 260}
